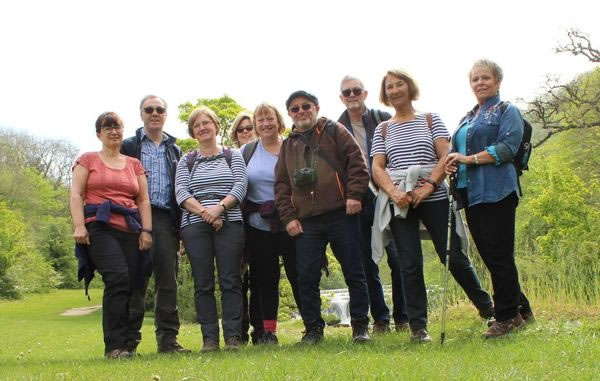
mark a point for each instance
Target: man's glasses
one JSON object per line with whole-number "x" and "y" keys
{"x": 356, "y": 91}
{"x": 159, "y": 110}
{"x": 109, "y": 129}
{"x": 305, "y": 107}
{"x": 242, "y": 129}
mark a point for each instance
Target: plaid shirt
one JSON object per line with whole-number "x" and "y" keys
{"x": 154, "y": 160}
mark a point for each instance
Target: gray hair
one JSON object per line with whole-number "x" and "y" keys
{"x": 350, "y": 78}
{"x": 149, "y": 96}
{"x": 490, "y": 65}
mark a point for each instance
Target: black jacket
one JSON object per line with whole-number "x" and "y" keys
{"x": 370, "y": 121}
{"x": 133, "y": 147}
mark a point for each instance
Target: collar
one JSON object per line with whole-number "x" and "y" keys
{"x": 144, "y": 136}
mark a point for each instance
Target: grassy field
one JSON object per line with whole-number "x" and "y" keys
{"x": 38, "y": 343}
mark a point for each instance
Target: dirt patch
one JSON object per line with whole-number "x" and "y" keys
{"x": 81, "y": 311}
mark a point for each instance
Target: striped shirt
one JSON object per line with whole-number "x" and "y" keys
{"x": 411, "y": 143}
{"x": 209, "y": 182}
{"x": 154, "y": 160}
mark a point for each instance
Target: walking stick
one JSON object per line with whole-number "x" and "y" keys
{"x": 447, "y": 262}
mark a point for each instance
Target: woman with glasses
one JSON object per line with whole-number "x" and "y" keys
{"x": 242, "y": 131}
{"x": 209, "y": 184}
{"x": 267, "y": 239}
{"x": 408, "y": 165}
{"x": 112, "y": 226}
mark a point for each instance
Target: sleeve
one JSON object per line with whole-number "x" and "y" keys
{"x": 378, "y": 145}
{"x": 138, "y": 168}
{"x": 283, "y": 188}
{"x": 438, "y": 128}
{"x": 85, "y": 160}
{"x": 510, "y": 133}
{"x": 240, "y": 176}
{"x": 357, "y": 176}
{"x": 182, "y": 180}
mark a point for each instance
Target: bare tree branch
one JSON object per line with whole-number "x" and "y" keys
{"x": 579, "y": 44}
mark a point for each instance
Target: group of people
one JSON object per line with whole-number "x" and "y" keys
{"x": 364, "y": 185}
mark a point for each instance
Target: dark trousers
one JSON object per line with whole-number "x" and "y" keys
{"x": 165, "y": 246}
{"x": 265, "y": 248}
{"x": 115, "y": 254}
{"x": 203, "y": 246}
{"x": 379, "y": 309}
{"x": 434, "y": 216}
{"x": 492, "y": 227}
{"x": 342, "y": 232}
{"x": 251, "y": 314}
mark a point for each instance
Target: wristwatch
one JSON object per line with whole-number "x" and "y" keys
{"x": 430, "y": 181}
{"x": 223, "y": 205}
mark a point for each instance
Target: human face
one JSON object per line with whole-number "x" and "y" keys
{"x": 245, "y": 131}
{"x": 205, "y": 130}
{"x": 111, "y": 137}
{"x": 154, "y": 121}
{"x": 397, "y": 91}
{"x": 484, "y": 84}
{"x": 353, "y": 102}
{"x": 303, "y": 119}
{"x": 267, "y": 125}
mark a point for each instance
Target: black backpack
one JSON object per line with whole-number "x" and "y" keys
{"x": 521, "y": 158}
{"x": 191, "y": 158}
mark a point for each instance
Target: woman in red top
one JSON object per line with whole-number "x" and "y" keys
{"x": 111, "y": 216}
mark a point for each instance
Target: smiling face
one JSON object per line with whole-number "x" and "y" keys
{"x": 245, "y": 131}
{"x": 397, "y": 91}
{"x": 353, "y": 102}
{"x": 111, "y": 136}
{"x": 303, "y": 113}
{"x": 153, "y": 120}
{"x": 484, "y": 83}
{"x": 267, "y": 125}
{"x": 205, "y": 130}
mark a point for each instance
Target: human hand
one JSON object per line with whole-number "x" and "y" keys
{"x": 294, "y": 228}
{"x": 217, "y": 224}
{"x": 452, "y": 161}
{"x": 145, "y": 241}
{"x": 211, "y": 213}
{"x": 421, "y": 193}
{"x": 81, "y": 235}
{"x": 353, "y": 206}
{"x": 402, "y": 199}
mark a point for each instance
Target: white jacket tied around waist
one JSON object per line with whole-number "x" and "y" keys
{"x": 406, "y": 181}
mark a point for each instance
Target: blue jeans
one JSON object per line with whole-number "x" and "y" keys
{"x": 342, "y": 232}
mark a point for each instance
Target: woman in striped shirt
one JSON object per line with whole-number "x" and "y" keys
{"x": 209, "y": 185}
{"x": 408, "y": 165}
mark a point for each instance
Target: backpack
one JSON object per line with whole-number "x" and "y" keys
{"x": 384, "y": 125}
{"x": 191, "y": 158}
{"x": 521, "y": 158}
{"x": 249, "y": 151}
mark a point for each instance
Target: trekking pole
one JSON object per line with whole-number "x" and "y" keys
{"x": 447, "y": 261}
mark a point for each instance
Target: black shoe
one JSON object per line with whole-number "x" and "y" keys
{"x": 528, "y": 317}
{"x": 420, "y": 336}
{"x": 268, "y": 338}
{"x": 381, "y": 327}
{"x": 487, "y": 313}
{"x": 360, "y": 333}
{"x": 232, "y": 343}
{"x": 245, "y": 339}
{"x": 312, "y": 336}
{"x": 173, "y": 348}
{"x": 256, "y": 336}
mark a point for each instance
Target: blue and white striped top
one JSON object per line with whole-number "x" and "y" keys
{"x": 411, "y": 143}
{"x": 210, "y": 181}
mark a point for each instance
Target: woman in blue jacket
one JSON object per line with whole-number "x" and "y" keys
{"x": 487, "y": 187}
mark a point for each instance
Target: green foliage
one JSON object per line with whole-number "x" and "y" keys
{"x": 57, "y": 247}
{"x": 187, "y": 144}
{"x": 225, "y": 107}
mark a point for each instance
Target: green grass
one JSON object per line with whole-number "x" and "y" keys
{"x": 38, "y": 343}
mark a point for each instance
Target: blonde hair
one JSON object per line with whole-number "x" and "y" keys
{"x": 265, "y": 108}
{"x": 202, "y": 110}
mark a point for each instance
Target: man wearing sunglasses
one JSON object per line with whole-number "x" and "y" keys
{"x": 320, "y": 179}
{"x": 159, "y": 155}
{"x": 361, "y": 122}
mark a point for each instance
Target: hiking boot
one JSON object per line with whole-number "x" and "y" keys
{"x": 381, "y": 327}
{"x": 256, "y": 336}
{"x": 360, "y": 333}
{"x": 173, "y": 348}
{"x": 312, "y": 336}
{"x": 209, "y": 345}
{"x": 117, "y": 354}
{"x": 268, "y": 338}
{"x": 487, "y": 313}
{"x": 401, "y": 326}
{"x": 232, "y": 343}
{"x": 420, "y": 336}
{"x": 501, "y": 328}
{"x": 527, "y": 317}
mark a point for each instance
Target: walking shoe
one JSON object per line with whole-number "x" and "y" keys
{"x": 232, "y": 343}
{"x": 528, "y": 317}
{"x": 117, "y": 354}
{"x": 312, "y": 336}
{"x": 381, "y": 327}
{"x": 209, "y": 345}
{"x": 401, "y": 326}
{"x": 360, "y": 333}
{"x": 174, "y": 347}
{"x": 501, "y": 328}
{"x": 245, "y": 339}
{"x": 268, "y": 338}
{"x": 420, "y": 336}
{"x": 256, "y": 336}
{"x": 487, "y": 313}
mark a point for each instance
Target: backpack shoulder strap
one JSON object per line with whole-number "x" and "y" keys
{"x": 249, "y": 151}
{"x": 190, "y": 159}
{"x": 384, "y": 128}
{"x": 227, "y": 153}
{"x": 377, "y": 116}
{"x": 429, "y": 118}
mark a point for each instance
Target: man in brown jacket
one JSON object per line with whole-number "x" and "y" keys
{"x": 320, "y": 179}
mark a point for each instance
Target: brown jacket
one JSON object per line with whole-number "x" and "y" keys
{"x": 329, "y": 192}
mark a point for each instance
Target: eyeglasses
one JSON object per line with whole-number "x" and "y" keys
{"x": 242, "y": 129}
{"x": 159, "y": 110}
{"x": 305, "y": 107}
{"x": 109, "y": 129}
{"x": 355, "y": 91}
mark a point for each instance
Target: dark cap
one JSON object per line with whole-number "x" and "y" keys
{"x": 301, "y": 93}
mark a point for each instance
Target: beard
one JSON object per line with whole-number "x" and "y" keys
{"x": 306, "y": 123}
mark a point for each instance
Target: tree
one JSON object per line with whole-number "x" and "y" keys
{"x": 225, "y": 107}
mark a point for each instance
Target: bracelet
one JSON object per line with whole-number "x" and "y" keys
{"x": 432, "y": 182}
{"x": 476, "y": 159}
{"x": 149, "y": 231}
{"x": 221, "y": 203}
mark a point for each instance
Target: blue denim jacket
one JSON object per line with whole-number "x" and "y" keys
{"x": 500, "y": 134}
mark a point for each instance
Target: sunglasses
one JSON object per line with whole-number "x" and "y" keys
{"x": 305, "y": 107}
{"x": 355, "y": 91}
{"x": 242, "y": 129}
{"x": 159, "y": 110}
{"x": 109, "y": 129}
